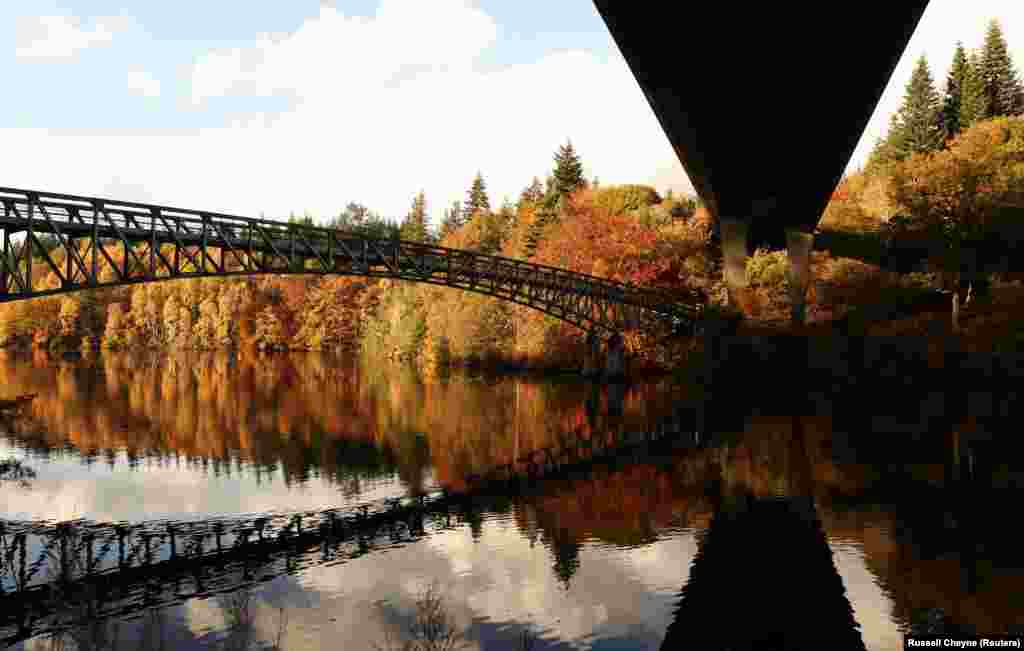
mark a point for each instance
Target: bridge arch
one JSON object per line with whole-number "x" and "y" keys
{"x": 257, "y": 246}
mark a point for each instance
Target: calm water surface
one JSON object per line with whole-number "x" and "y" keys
{"x": 914, "y": 521}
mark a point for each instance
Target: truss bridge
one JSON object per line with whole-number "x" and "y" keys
{"x": 162, "y": 243}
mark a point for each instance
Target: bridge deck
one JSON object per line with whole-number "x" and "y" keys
{"x": 177, "y": 243}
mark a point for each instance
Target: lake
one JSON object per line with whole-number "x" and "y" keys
{"x": 847, "y": 516}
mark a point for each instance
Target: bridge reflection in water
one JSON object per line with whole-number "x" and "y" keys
{"x": 763, "y": 489}
{"x": 763, "y": 577}
{"x": 118, "y": 568}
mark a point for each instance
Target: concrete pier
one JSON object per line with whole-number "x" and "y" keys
{"x": 592, "y": 365}
{"x": 798, "y": 274}
{"x": 615, "y": 361}
{"x": 734, "y": 249}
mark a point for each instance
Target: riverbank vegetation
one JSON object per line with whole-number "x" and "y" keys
{"x": 948, "y": 177}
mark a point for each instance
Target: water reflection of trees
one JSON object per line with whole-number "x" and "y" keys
{"x": 930, "y": 537}
{"x": 795, "y": 459}
{"x": 307, "y": 415}
{"x": 17, "y": 472}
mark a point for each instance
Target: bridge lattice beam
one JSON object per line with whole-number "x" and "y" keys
{"x": 161, "y": 243}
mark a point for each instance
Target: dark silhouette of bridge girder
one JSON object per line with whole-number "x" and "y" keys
{"x": 764, "y": 102}
{"x": 764, "y": 578}
{"x": 162, "y": 243}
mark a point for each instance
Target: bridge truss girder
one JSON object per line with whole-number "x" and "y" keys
{"x": 161, "y": 243}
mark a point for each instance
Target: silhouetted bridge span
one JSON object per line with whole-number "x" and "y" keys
{"x": 57, "y": 575}
{"x": 161, "y": 243}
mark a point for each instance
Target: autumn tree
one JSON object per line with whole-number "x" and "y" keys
{"x": 415, "y": 226}
{"x": 452, "y": 220}
{"x": 568, "y": 172}
{"x": 329, "y": 319}
{"x": 1004, "y": 93}
{"x": 953, "y": 96}
{"x": 533, "y": 193}
{"x": 505, "y": 220}
{"x": 359, "y": 219}
{"x": 353, "y": 216}
{"x": 270, "y": 332}
{"x": 625, "y": 199}
{"x": 973, "y": 102}
{"x": 115, "y": 333}
{"x": 966, "y": 193}
{"x": 919, "y": 126}
{"x": 477, "y": 201}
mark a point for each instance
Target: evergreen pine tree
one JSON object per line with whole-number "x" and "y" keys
{"x": 477, "y": 200}
{"x": 415, "y": 227}
{"x": 568, "y": 171}
{"x": 954, "y": 92}
{"x": 918, "y": 123}
{"x": 506, "y": 218}
{"x": 887, "y": 149}
{"x": 1016, "y": 101}
{"x": 457, "y": 215}
{"x": 547, "y": 210}
{"x": 534, "y": 234}
{"x": 1002, "y": 87}
{"x": 550, "y": 199}
{"x": 452, "y": 219}
{"x": 973, "y": 101}
{"x": 532, "y": 194}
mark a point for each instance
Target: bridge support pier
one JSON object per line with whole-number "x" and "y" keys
{"x": 615, "y": 363}
{"x": 798, "y": 275}
{"x": 734, "y": 249}
{"x": 592, "y": 356}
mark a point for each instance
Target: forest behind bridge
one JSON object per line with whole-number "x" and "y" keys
{"x": 948, "y": 176}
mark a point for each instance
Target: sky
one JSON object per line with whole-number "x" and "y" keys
{"x": 257, "y": 107}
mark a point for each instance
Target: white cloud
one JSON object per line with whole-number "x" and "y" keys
{"x": 49, "y": 38}
{"x": 143, "y": 83}
{"x": 382, "y": 107}
{"x": 333, "y": 55}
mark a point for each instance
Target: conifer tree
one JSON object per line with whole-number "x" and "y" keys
{"x": 973, "y": 101}
{"x": 917, "y": 126}
{"x": 414, "y": 227}
{"x": 534, "y": 234}
{"x": 568, "y": 171}
{"x": 954, "y": 93}
{"x": 506, "y": 218}
{"x": 1002, "y": 86}
{"x": 551, "y": 195}
{"x": 532, "y": 194}
{"x": 477, "y": 200}
{"x": 887, "y": 149}
{"x": 919, "y": 116}
{"x": 452, "y": 219}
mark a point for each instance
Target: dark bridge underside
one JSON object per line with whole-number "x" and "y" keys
{"x": 764, "y": 102}
{"x": 764, "y": 578}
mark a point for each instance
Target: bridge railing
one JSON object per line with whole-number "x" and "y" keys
{"x": 134, "y": 216}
